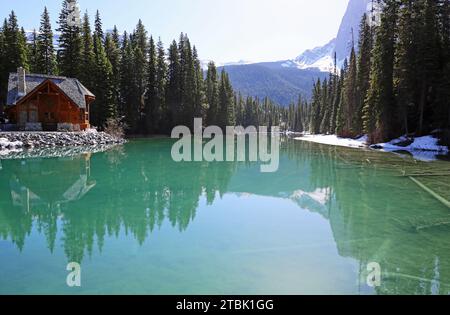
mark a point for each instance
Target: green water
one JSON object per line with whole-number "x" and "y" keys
{"x": 139, "y": 223}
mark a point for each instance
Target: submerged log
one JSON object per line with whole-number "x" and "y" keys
{"x": 431, "y": 192}
{"x": 425, "y": 175}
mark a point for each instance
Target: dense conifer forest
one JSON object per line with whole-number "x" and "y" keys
{"x": 134, "y": 77}
{"x": 396, "y": 80}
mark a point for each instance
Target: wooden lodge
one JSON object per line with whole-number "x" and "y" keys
{"x": 39, "y": 102}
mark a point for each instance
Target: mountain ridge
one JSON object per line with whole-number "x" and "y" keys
{"x": 284, "y": 81}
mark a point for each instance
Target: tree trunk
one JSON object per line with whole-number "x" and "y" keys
{"x": 406, "y": 122}
{"x": 422, "y": 108}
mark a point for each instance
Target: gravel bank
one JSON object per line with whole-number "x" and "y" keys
{"x": 26, "y": 140}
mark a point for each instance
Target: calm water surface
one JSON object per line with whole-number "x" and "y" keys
{"x": 138, "y": 222}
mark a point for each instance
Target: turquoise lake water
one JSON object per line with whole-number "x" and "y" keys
{"x": 139, "y": 223}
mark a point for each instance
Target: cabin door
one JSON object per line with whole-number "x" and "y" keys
{"x": 49, "y": 111}
{"x": 23, "y": 117}
{"x": 33, "y": 115}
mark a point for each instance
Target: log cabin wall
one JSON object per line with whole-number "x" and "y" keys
{"x": 50, "y": 107}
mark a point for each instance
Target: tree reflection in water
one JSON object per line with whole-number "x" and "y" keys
{"x": 371, "y": 209}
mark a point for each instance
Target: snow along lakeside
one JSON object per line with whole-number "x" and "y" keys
{"x": 425, "y": 148}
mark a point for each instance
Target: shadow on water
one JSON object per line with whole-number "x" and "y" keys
{"x": 376, "y": 213}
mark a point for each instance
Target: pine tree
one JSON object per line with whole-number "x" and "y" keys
{"x": 46, "y": 58}
{"x": 336, "y": 99}
{"x": 32, "y": 53}
{"x": 104, "y": 107}
{"x": 112, "y": 51}
{"x": 15, "y": 45}
{"x": 212, "y": 95}
{"x": 115, "y": 36}
{"x": 139, "y": 38}
{"x": 140, "y": 81}
{"x": 187, "y": 80}
{"x": 129, "y": 95}
{"x": 329, "y": 95}
{"x": 139, "y": 46}
{"x": 429, "y": 66}
{"x": 99, "y": 27}
{"x": 161, "y": 79}
{"x": 379, "y": 108}
{"x": 3, "y": 81}
{"x": 226, "y": 102}
{"x": 342, "y": 106}
{"x": 351, "y": 126}
{"x": 87, "y": 54}
{"x": 151, "y": 112}
{"x": 70, "y": 44}
{"x": 324, "y": 107}
{"x": 405, "y": 66}
{"x": 199, "y": 91}
{"x": 240, "y": 109}
{"x": 316, "y": 108}
{"x": 14, "y": 52}
{"x": 442, "y": 112}
{"x": 173, "y": 90}
{"x": 104, "y": 80}
{"x": 98, "y": 33}
{"x": 299, "y": 125}
{"x": 363, "y": 75}
{"x": 24, "y": 47}
{"x": 248, "y": 113}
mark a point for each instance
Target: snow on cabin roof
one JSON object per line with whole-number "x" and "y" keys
{"x": 76, "y": 91}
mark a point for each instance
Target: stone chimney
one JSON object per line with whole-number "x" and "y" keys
{"x": 22, "y": 85}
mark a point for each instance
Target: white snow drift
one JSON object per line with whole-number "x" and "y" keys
{"x": 335, "y": 140}
{"x": 425, "y": 148}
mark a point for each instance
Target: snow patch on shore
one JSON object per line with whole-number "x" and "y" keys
{"x": 427, "y": 143}
{"x": 425, "y": 148}
{"x": 335, "y": 140}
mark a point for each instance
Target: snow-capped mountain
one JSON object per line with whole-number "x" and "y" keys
{"x": 204, "y": 63}
{"x": 322, "y": 57}
{"x": 283, "y": 81}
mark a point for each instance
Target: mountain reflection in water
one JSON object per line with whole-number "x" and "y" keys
{"x": 373, "y": 212}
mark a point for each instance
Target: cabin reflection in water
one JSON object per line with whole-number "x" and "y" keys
{"x": 44, "y": 183}
{"x": 369, "y": 212}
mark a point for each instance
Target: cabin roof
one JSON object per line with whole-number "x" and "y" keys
{"x": 73, "y": 88}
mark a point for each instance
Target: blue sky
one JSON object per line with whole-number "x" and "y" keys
{"x": 222, "y": 30}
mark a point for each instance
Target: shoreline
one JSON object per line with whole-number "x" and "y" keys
{"x": 21, "y": 141}
{"x": 138, "y": 137}
{"x": 424, "y": 148}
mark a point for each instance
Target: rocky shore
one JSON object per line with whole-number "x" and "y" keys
{"x": 26, "y": 140}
